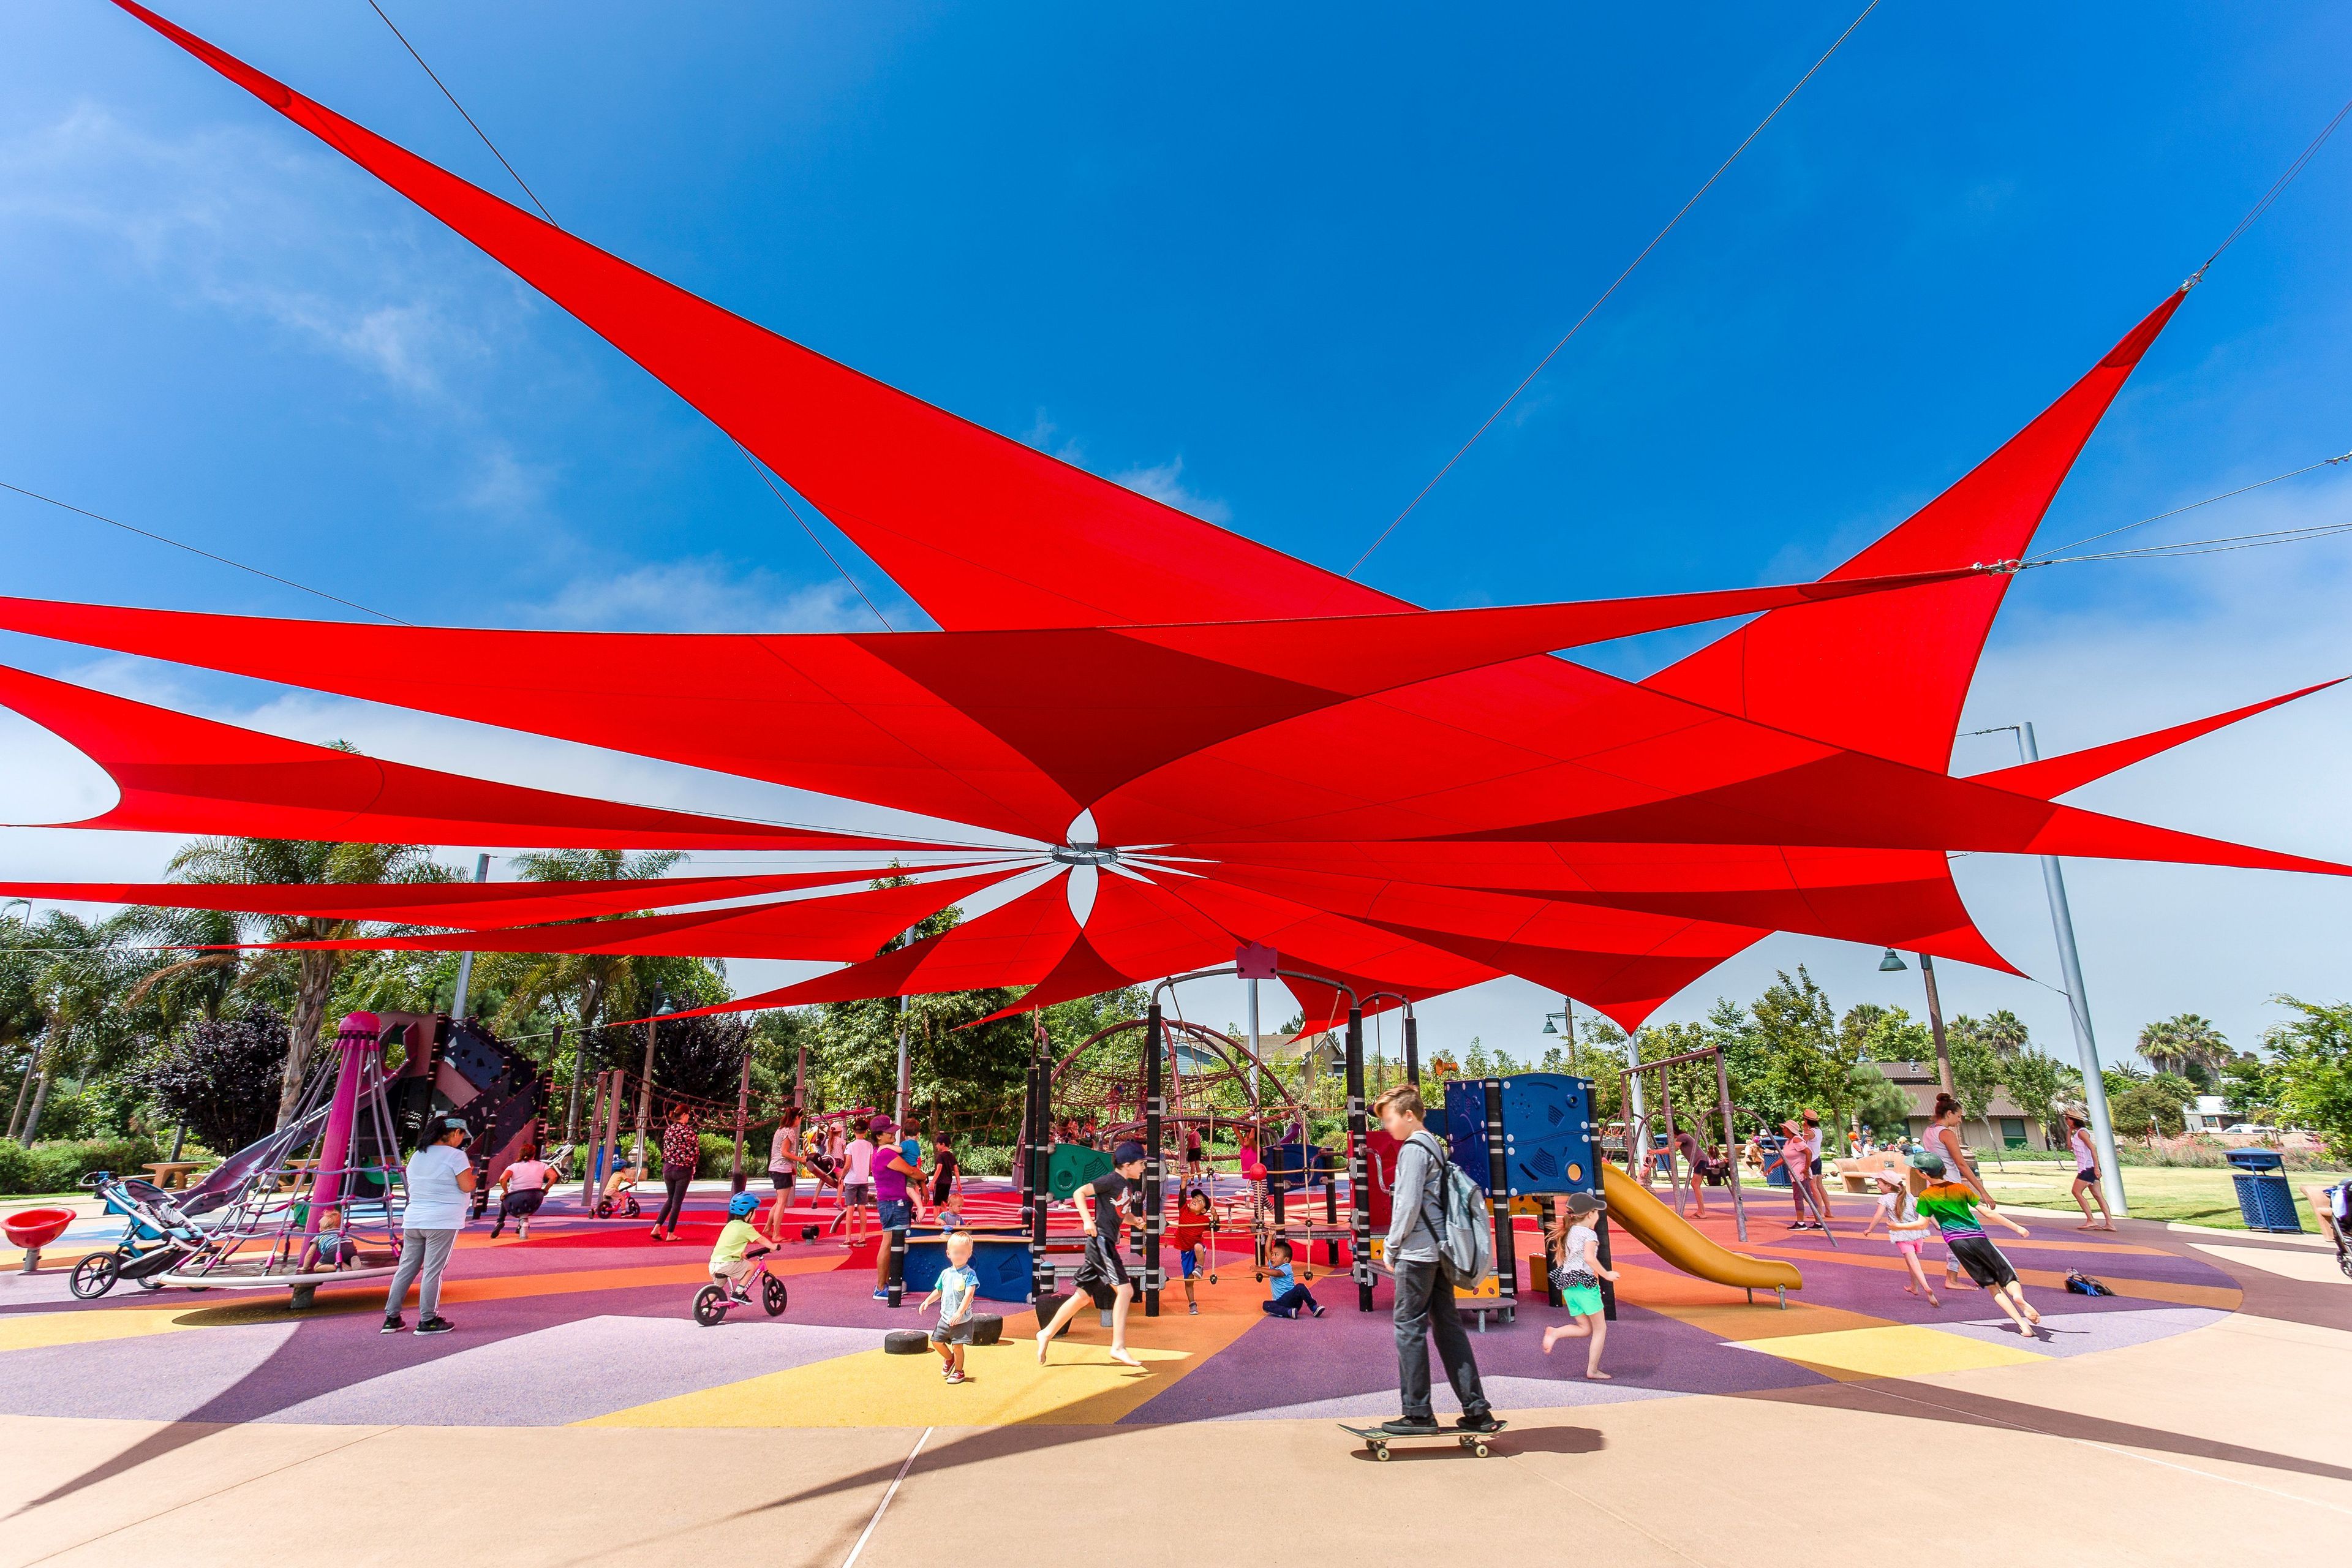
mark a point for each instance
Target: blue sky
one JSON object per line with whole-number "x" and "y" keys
{"x": 1273, "y": 268}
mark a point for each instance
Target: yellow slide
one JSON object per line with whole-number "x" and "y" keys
{"x": 1677, "y": 1242}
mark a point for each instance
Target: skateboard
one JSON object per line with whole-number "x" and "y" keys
{"x": 1378, "y": 1441}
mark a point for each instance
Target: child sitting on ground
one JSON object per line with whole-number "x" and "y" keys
{"x": 1286, "y": 1295}
{"x": 736, "y": 1258}
{"x": 1954, "y": 1211}
{"x": 1905, "y": 1227}
{"x": 955, "y": 1292}
{"x": 330, "y": 1249}
{"x": 1576, "y": 1249}
{"x": 1191, "y": 1225}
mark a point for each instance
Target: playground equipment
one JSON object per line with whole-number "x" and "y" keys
{"x": 1681, "y": 1245}
{"x": 34, "y": 1229}
{"x": 1638, "y": 1138}
{"x": 155, "y": 1236}
{"x": 1523, "y": 1137}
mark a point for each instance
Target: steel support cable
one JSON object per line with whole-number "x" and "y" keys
{"x": 2093, "y": 538}
{"x": 2278, "y": 188}
{"x": 1680, "y": 213}
{"x": 757, "y": 466}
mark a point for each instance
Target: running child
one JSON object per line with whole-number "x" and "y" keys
{"x": 1907, "y": 1227}
{"x": 1285, "y": 1297}
{"x": 1577, "y": 1250}
{"x": 955, "y": 1292}
{"x": 2087, "y": 1175}
{"x": 1954, "y": 1209}
{"x": 947, "y": 1173}
{"x": 1104, "y": 1204}
{"x": 1184, "y": 1236}
{"x": 735, "y": 1258}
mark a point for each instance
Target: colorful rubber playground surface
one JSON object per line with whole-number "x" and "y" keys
{"x": 586, "y": 1326}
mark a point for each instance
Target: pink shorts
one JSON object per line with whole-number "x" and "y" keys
{"x": 1910, "y": 1249}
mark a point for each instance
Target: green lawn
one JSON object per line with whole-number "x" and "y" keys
{"x": 2157, "y": 1192}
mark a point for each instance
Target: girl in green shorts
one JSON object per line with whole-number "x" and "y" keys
{"x": 1576, "y": 1255}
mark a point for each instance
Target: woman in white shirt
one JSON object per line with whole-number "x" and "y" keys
{"x": 440, "y": 1180}
{"x": 2086, "y": 1176}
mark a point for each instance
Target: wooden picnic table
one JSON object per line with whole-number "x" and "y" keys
{"x": 169, "y": 1173}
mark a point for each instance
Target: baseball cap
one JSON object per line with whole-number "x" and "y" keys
{"x": 1927, "y": 1163}
{"x": 1586, "y": 1203}
{"x": 880, "y": 1124}
{"x": 1127, "y": 1153}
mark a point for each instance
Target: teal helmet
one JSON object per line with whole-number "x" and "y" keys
{"x": 743, "y": 1206}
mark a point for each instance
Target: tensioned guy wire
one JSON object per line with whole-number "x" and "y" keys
{"x": 193, "y": 550}
{"x": 2051, "y": 553}
{"x": 757, "y": 466}
{"x": 1680, "y": 213}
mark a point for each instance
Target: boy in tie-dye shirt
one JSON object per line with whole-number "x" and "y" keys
{"x": 1952, "y": 1208}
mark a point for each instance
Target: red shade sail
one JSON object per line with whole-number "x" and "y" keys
{"x": 183, "y": 774}
{"x": 480, "y": 906}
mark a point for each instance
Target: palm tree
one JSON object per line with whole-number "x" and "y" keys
{"x": 73, "y": 983}
{"x": 283, "y": 860}
{"x": 590, "y": 981}
{"x": 2172, "y": 1043}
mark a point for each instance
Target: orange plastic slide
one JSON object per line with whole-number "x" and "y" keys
{"x": 1677, "y": 1241}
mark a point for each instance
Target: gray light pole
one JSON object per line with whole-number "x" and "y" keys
{"x": 1253, "y": 1044}
{"x": 466, "y": 960}
{"x": 2078, "y": 1004}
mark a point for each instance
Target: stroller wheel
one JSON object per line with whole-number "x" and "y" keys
{"x": 710, "y": 1306}
{"x": 148, "y": 1282}
{"x": 773, "y": 1296}
{"x": 94, "y": 1275}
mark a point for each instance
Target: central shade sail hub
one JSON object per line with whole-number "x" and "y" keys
{"x": 1086, "y": 854}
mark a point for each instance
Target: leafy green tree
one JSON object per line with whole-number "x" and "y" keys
{"x": 1976, "y": 1074}
{"x": 313, "y": 971}
{"x": 1887, "y": 1033}
{"x": 1878, "y": 1104}
{"x": 1808, "y": 1061}
{"x": 2035, "y": 1082}
{"x": 2312, "y": 1058}
{"x": 2178, "y": 1044}
{"x": 2250, "y": 1088}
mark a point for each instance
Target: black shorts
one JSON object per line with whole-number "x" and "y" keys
{"x": 1103, "y": 1272}
{"x": 520, "y": 1203}
{"x": 781, "y": 1180}
{"x": 2088, "y": 1173}
{"x": 1982, "y": 1259}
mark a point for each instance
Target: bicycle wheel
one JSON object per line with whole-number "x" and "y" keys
{"x": 710, "y": 1306}
{"x": 773, "y": 1296}
{"x": 94, "y": 1275}
{"x": 603, "y": 1208}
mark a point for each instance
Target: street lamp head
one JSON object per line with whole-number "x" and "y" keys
{"x": 1893, "y": 961}
{"x": 1548, "y": 1027}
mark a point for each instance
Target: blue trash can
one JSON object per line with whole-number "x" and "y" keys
{"x": 2265, "y": 1199}
{"x": 1775, "y": 1174}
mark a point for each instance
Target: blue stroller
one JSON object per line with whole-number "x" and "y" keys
{"x": 155, "y": 1237}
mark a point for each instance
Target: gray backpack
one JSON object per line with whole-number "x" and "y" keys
{"x": 1466, "y": 1239}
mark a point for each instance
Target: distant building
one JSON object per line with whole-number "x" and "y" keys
{"x": 2010, "y": 1124}
{"x": 2207, "y": 1114}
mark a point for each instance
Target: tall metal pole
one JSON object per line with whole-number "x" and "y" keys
{"x": 742, "y": 1109}
{"x": 571, "y": 1109}
{"x": 1637, "y": 1126}
{"x": 1730, "y": 1145}
{"x": 905, "y": 1076}
{"x": 1155, "y": 1158}
{"x": 1253, "y": 1044}
{"x": 644, "y": 1096}
{"x": 2078, "y": 1011}
{"x": 1359, "y": 1208}
{"x": 1936, "y": 1026}
{"x": 1412, "y": 1050}
{"x": 466, "y": 960}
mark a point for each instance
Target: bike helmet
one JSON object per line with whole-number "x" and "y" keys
{"x": 743, "y": 1206}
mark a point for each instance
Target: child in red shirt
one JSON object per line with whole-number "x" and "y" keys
{"x": 1191, "y": 1225}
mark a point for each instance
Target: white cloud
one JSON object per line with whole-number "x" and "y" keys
{"x": 231, "y": 219}
{"x": 1164, "y": 482}
{"x": 702, "y": 595}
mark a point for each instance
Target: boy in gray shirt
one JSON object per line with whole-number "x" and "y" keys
{"x": 1424, "y": 1296}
